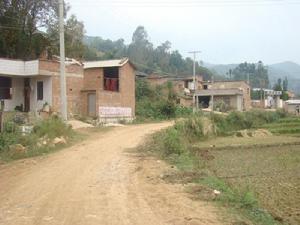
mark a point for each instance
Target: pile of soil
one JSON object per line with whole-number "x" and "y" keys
{"x": 253, "y": 133}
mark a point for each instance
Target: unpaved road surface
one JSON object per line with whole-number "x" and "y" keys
{"x": 97, "y": 182}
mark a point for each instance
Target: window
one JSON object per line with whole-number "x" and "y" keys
{"x": 40, "y": 90}
{"x": 205, "y": 87}
{"x": 111, "y": 78}
{"x": 5, "y": 88}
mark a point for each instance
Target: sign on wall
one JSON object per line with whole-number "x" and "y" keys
{"x": 114, "y": 112}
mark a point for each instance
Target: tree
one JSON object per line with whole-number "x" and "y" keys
{"x": 144, "y": 55}
{"x": 285, "y": 84}
{"x": 74, "y": 35}
{"x": 278, "y": 85}
{"x": 20, "y": 24}
{"x": 257, "y": 74}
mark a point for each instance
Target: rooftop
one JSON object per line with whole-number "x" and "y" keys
{"x": 105, "y": 63}
{"x": 293, "y": 102}
{"x": 209, "y": 92}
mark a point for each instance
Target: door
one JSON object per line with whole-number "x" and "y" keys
{"x": 92, "y": 104}
{"x": 26, "y": 94}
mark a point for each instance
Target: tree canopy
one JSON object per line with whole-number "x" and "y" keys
{"x": 256, "y": 73}
{"x": 23, "y": 25}
{"x": 20, "y": 24}
{"x": 144, "y": 54}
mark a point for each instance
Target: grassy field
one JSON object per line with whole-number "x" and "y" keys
{"x": 271, "y": 173}
{"x": 252, "y": 158}
{"x": 289, "y": 126}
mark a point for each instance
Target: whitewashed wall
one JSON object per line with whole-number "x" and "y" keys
{"x": 18, "y": 67}
{"x": 36, "y": 105}
{"x": 17, "y": 95}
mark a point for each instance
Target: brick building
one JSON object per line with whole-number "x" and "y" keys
{"x": 233, "y": 95}
{"x": 104, "y": 89}
{"x": 30, "y": 85}
{"x": 109, "y": 89}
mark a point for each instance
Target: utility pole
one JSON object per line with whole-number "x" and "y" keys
{"x": 212, "y": 96}
{"x": 1, "y": 115}
{"x": 63, "y": 93}
{"x": 194, "y": 78}
{"x": 248, "y": 77}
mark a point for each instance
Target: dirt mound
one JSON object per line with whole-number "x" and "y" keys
{"x": 253, "y": 133}
{"x": 261, "y": 133}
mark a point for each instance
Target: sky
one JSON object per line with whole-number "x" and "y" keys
{"x": 225, "y": 31}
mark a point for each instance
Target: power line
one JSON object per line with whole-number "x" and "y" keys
{"x": 187, "y": 3}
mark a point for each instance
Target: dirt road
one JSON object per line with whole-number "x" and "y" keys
{"x": 99, "y": 181}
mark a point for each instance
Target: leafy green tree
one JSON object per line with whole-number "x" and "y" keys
{"x": 20, "y": 25}
{"x": 144, "y": 55}
{"x": 256, "y": 73}
{"x": 74, "y": 35}
{"x": 278, "y": 85}
{"x": 285, "y": 84}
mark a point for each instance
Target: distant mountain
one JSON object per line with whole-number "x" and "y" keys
{"x": 220, "y": 69}
{"x": 287, "y": 69}
{"x": 281, "y": 70}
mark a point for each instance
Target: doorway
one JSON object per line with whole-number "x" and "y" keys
{"x": 27, "y": 94}
{"x": 91, "y": 104}
{"x": 204, "y": 101}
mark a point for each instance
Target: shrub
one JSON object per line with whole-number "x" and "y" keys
{"x": 172, "y": 143}
{"x": 244, "y": 120}
{"x": 191, "y": 128}
{"x": 52, "y": 127}
{"x": 7, "y": 139}
{"x": 157, "y": 103}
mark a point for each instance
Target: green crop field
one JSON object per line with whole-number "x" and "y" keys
{"x": 272, "y": 173}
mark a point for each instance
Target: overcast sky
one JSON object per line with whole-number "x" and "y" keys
{"x": 226, "y": 31}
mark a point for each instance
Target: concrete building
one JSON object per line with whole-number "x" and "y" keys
{"x": 30, "y": 85}
{"x": 102, "y": 89}
{"x": 234, "y": 95}
{"x": 231, "y": 98}
{"x": 179, "y": 82}
{"x": 270, "y": 99}
{"x": 292, "y": 106}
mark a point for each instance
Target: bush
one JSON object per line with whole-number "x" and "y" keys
{"x": 52, "y": 127}
{"x": 172, "y": 143}
{"x": 191, "y": 128}
{"x": 7, "y": 139}
{"x": 157, "y": 103}
{"x": 244, "y": 120}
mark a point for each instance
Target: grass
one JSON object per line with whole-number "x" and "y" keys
{"x": 45, "y": 130}
{"x": 271, "y": 173}
{"x": 257, "y": 176}
{"x": 284, "y": 126}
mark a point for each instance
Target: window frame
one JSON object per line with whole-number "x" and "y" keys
{"x": 111, "y": 79}
{"x": 40, "y": 92}
{"x": 7, "y": 95}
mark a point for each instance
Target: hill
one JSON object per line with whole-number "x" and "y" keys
{"x": 288, "y": 69}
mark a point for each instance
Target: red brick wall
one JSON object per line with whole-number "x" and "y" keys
{"x": 74, "y": 87}
{"x": 54, "y": 66}
{"x": 93, "y": 80}
{"x": 74, "y": 81}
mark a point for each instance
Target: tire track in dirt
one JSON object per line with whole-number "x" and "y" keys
{"x": 98, "y": 181}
